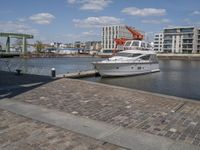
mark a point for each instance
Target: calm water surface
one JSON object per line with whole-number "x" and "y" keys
{"x": 176, "y": 78}
{"x": 42, "y": 66}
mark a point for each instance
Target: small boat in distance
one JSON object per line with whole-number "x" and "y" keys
{"x": 137, "y": 58}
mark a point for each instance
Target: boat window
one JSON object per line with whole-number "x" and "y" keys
{"x": 135, "y": 43}
{"x": 124, "y": 54}
{"x": 142, "y": 44}
{"x": 128, "y": 54}
{"x": 128, "y": 43}
{"x": 146, "y": 57}
{"x": 135, "y": 55}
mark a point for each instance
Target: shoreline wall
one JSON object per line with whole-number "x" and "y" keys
{"x": 179, "y": 56}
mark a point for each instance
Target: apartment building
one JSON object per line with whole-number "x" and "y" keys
{"x": 109, "y": 33}
{"x": 93, "y": 45}
{"x": 158, "y": 42}
{"x": 181, "y": 40}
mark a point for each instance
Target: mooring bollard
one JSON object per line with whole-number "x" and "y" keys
{"x": 18, "y": 72}
{"x": 53, "y": 72}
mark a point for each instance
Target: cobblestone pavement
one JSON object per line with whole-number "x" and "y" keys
{"x": 155, "y": 114}
{"x": 19, "y": 133}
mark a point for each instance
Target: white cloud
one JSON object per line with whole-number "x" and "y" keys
{"x": 97, "y": 21}
{"x": 89, "y": 33}
{"x": 95, "y": 5}
{"x": 21, "y": 19}
{"x": 152, "y": 21}
{"x": 83, "y": 36}
{"x": 196, "y": 12}
{"x": 144, "y": 12}
{"x": 17, "y": 27}
{"x": 42, "y": 18}
{"x": 71, "y": 1}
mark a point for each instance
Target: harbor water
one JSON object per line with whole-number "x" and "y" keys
{"x": 177, "y": 77}
{"x": 43, "y": 66}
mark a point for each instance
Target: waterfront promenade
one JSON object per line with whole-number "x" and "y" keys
{"x": 76, "y": 114}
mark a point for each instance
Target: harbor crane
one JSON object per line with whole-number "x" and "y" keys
{"x": 136, "y": 35}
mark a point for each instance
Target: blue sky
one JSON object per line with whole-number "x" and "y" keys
{"x": 71, "y": 20}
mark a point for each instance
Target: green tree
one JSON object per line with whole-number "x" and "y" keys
{"x": 39, "y": 46}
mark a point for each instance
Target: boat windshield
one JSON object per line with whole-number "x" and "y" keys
{"x": 128, "y": 54}
{"x": 128, "y": 43}
{"x": 135, "y": 43}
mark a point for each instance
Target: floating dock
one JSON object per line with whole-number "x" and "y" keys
{"x": 79, "y": 74}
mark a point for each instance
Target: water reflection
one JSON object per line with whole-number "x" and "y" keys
{"x": 177, "y": 78}
{"x": 42, "y": 66}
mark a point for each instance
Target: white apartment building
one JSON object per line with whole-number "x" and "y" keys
{"x": 109, "y": 33}
{"x": 158, "y": 42}
{"x": 181, "y": 40}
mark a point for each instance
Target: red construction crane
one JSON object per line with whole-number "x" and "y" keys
{"x": 135, "y": 36}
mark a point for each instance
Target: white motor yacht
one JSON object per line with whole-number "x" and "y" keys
{"x": 137, "y": 58}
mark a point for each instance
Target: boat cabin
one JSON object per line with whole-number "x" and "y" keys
{"x": 139, "y": 55}
{"x": 136, "y": 44}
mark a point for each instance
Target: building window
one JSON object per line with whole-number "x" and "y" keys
{"x": 187, "y": 30}
{"x": 170, "y": 31}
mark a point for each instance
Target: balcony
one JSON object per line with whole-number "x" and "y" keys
{"x": 187, "y": 36}
{"x": 167, "y": 37}
{"x": 167, "y": 47}
{"x": 167, "y": 43}
{"x": 170, "y": 31}
{"x": 187, "y": 30}
{"x": 190, "y": 41}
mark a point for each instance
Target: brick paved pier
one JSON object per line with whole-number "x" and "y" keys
{"x": 176, "y": 121}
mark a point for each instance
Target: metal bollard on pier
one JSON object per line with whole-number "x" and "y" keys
{"x": 53, "y": 72}
{"x": 18, "y": 72}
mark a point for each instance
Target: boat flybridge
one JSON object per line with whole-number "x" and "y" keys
{"x": 137, "y": 58}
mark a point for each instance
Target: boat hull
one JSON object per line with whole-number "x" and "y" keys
{"x": 125, "y": 69}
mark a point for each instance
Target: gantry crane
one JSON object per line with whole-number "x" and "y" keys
{"x": 136, "y": 35}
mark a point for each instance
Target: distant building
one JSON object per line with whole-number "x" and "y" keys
{"x": 98, "y": 46}
{"x": 109, "y": 33}
{"x": 70, "y": 45}
{"x": 158, "y": 42}
{"x": 181, "y": 40}
{"x": 63, "y": 45}
{"x": 79, "y": 44}
{"x": 55, "y": 44}
{"x": 93, "y": 45}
